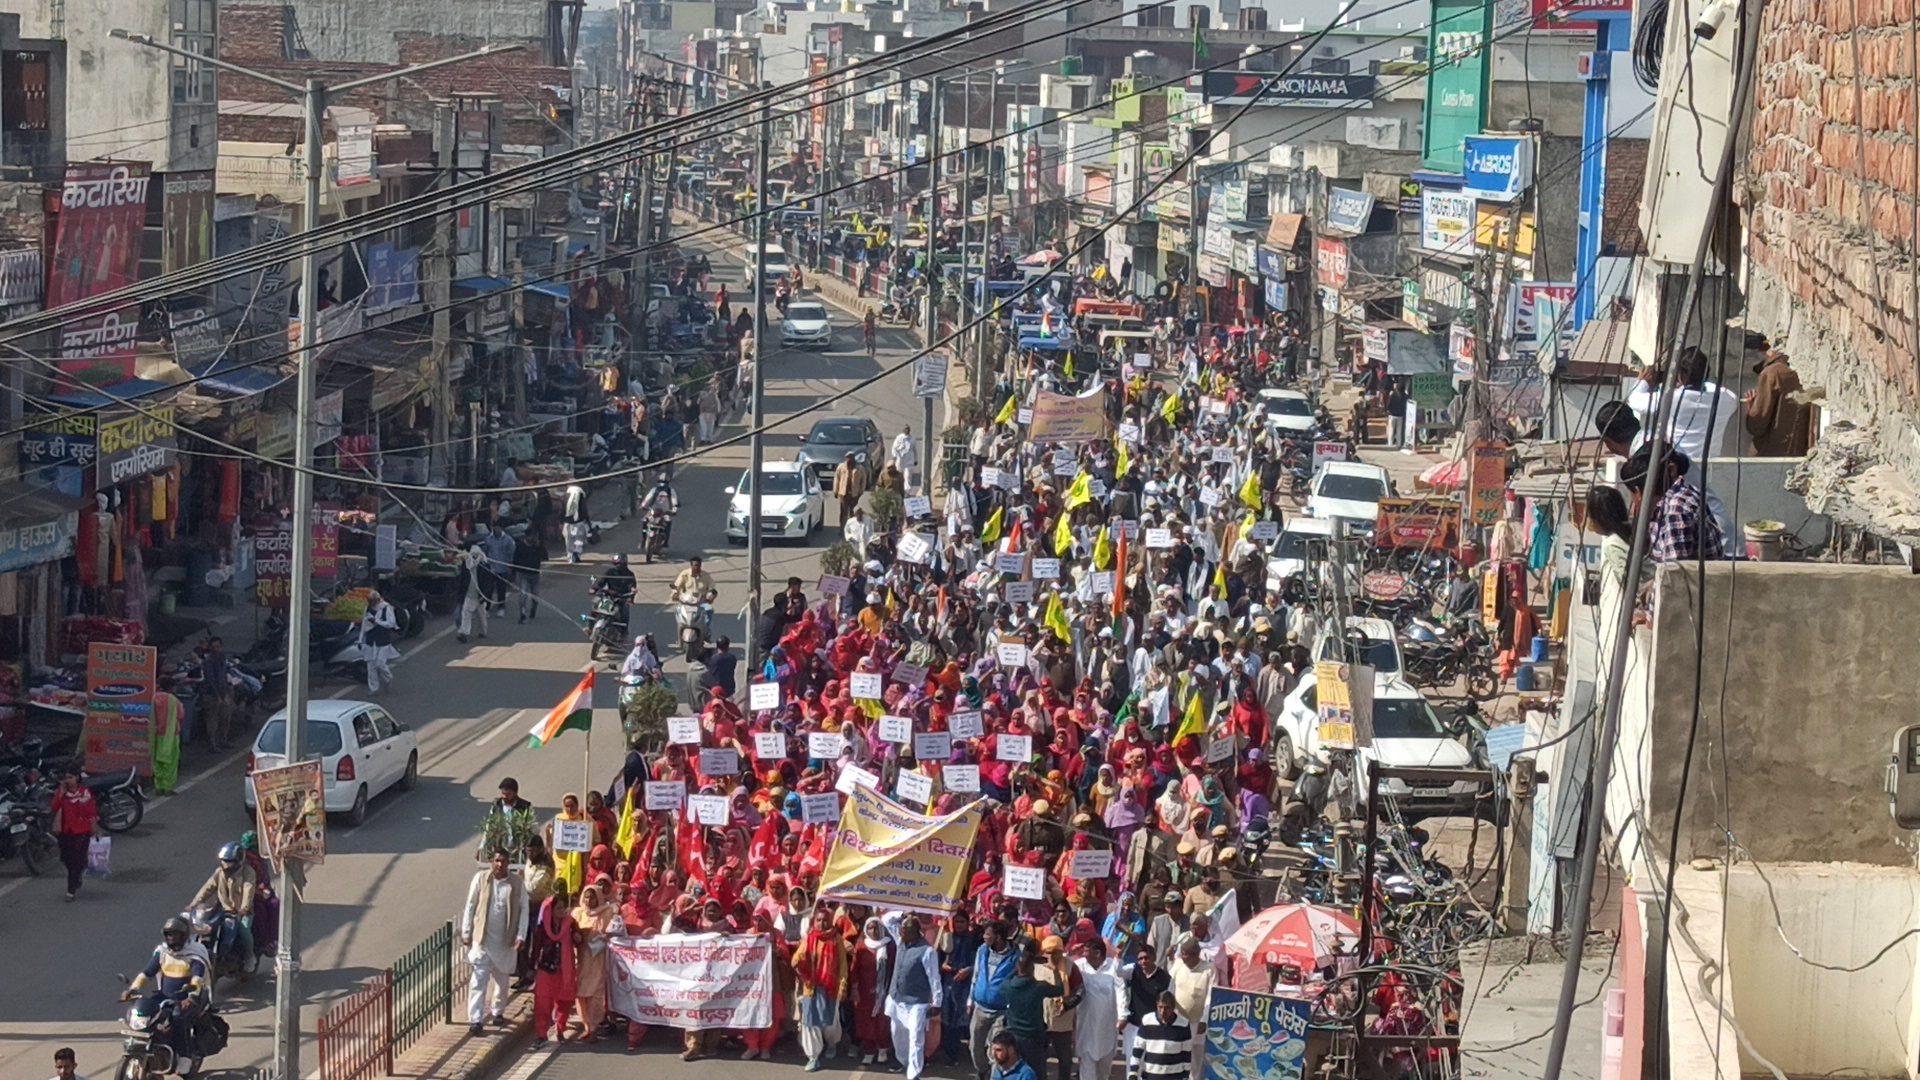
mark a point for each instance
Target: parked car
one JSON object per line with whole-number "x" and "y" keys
{"x": 792, "y": 504}
{"x": 362, "y": 750}
{"x": 833, "y": 438}
{"x": 806, "y": 325}
{"x": 1406, "y": 733}
{"x": 1288, "y": 411}
{"x": 1349, "y": 491}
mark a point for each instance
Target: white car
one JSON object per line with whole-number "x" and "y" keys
{"x": 362, "y": 750}
{"x": 806, "y": 324}
{"x": 792, "y": 504}
{"x": 1406, "y": 733}
{"x": 1293, "y": 548}
{"x": 777, "y": 268}
{"x": 1349, "y": 491}
{"x": 1288, "y": 411}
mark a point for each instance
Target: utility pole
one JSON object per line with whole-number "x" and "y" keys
{"x": 936, "y": 116}
{"x": 756, "y": 445}
{"x": 292, "y": 884}
{"x": 980, "y": 333}
{"x": 439, "y": 291}
{"x": 963, "y": 307}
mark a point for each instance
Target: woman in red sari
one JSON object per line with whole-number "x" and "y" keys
{"x": 821, "y": 974}
{"x": 870, "y": 1025}
{"x": 553, "y": 978}
{"x": 760, "y": 1040}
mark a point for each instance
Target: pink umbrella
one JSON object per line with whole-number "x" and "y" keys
{"x": 1446, "y": 476}
{"x": 1302, "y": 934}
{"x": 1042, "y": 258}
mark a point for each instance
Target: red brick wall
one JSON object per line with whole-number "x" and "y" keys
{"x": 1626, "y": 177}
{"x": 1833, "y": 161}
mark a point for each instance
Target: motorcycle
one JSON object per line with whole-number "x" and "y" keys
{"x": 606, "y": 625}
{"x": 122, "y": 803}
{"x": 654, "y": 534}
{"x": 219, "y": 931}
{"x": 147, "y": 1051}
{"x": 26, "y": 831}
{"x": 693, "y": 621}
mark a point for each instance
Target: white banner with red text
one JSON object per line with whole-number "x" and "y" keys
{"x": 694, "y": 981}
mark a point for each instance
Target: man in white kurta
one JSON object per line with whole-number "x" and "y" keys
{"x": 492, "y": 926}
{"x": 913, "y": 995}
{"x": 1096, "y": 1031}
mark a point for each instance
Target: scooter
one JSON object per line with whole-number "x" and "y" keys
{"x": 693, "y": 620}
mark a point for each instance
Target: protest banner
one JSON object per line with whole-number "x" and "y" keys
{"x": 291, "y": 805}
{"x": 1011, "y": 655}
{"x": 1024, "y": 883}
{"x": 896, "y": 729}
{"x": 1253, "y": 1034}
{"x": 966, "y": 724}
{"x": 1264, "y": 531}
{"x": 665, "y": 794}
{"x": 573, "y": 836}
{"x": 914, "y": 788}
{"x": 1004, "y": 563}
{"x": 696, "y": 982}
{"x": 834, "y": 584}
{"x": 1046, "y": 569}
{"x": 914, "y": 548}
{"x": 890, "y": 857}
{"x": 769, "y": 744}
{"x": 1015, "y": 748}
{"x": 825, "y": 745}
{"x": 1091, "y": 864}
{"x": 868, "y": 685}
{"x": 1063, "y": 418}
{"x": 1159, "y": 538}
{"x": 910, "y": 674}
{"x": 917, "y": 506}
{"x": 852, "y": 777}
{"x": 1017, "y": 592}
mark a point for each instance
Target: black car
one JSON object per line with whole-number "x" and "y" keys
{"x": 833, "y": 438}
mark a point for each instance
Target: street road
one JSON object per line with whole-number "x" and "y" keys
{"x": 608, "y": 1060}
{"x": 392, "y": 882}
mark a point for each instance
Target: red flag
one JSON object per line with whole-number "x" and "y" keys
{"x": 1120, "y": 583}
{"x": 815, "y": 860}
{"x": 766, "y": 842}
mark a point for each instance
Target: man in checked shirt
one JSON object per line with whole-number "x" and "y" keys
{"x": 1680, "y": 528}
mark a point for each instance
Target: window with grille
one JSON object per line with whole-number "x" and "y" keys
{"x": 193, "y": 31}
{"x": 1156, "y": 15}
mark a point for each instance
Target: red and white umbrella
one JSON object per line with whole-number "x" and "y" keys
{"x": 1301, "y": 934}
{"x": 1042, "y": 258}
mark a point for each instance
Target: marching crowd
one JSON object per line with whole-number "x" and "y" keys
{"x": 1089, "y": 627}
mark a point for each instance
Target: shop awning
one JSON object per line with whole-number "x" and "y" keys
{"x": 237, "y": 379}
{"x": 94, "y": 398}
{"x": 1284, "y": 229}
{"x": 554, "y": 289}
{"x": 482, "y": 284}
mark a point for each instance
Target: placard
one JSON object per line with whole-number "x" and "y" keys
{"x": 932, "y": 745}
{"x": 866, "y": 684}
{"x": 1142, "y": 360}
{"x": 835, "y": 585}
{"x": 989, "y": 477}
{"x": 763, "y": 695}
{"x": 1087, "y": 865}
{"x": 1222, "y": 455}
{"x": 720, "y": 761}
{"x": 961, "y": 778}
{"x": 665, "y": 794}
{"x": 684, "y": 730}
{"x": 769, "y": 744}
{"x": 1264, "y": 531}
{"x": 1024, "y": 883}
{"x": 1015, "y": 748}
{"x": 825, "y": 745}
{"x": 910, "y": 674}
{"x": 1159, "y": 538}
{"x": 1065, "y": 468}
{"x": 1046, "y": 569}
{"x": 1017, "y": 592}
{"x": 1011, "y": 654}
{"x": 1220, "y": 750}
{"x": 1217, "y": 407}
{"x": 710, "y": 810}
{"x": 1009, "y": 480}
{"x": 1009, "y": 564}
{"x": 966, "y": 724}
{"x": 854, "y": 776}
{"x": 1209, "y": 498}
{"x": 1102, "y": 582}
{"x": 896, "y": 729}
{"x": 1130, "y": 433}
{"x": 917, "y": 506}
{"x": 1023, "y": 416}
{"x": 819, "y": 809}
{"x": 1097, "y": 487}
{"x": 573, "y": 836}
{"x": 914, "y": 548}
{"x": 914, "y": 788}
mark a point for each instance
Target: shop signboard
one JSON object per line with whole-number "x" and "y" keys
{"x": 1329, "y": 299}
{"x": 353, "y": 163}
{"x": 1348, "y": 211}
{"x": 326, "y": 541}
{"x": 1216, "y": 241}
{"x": 272, "y": 567}
{"x": 1330, "y": 261}
{"x": 1228, "y": 200}
{"x": 1431, "y": 390}
{"x": 1429, "y": 524}
{"x": 96, "y": 249}
{"x": 1460, "y": 349}
{"x": 136, "y": 445}
{"x": 393, "y": 277}
{"x": 1537, "y": 307}
{"x": 1574, "y": 14}
{"x": 1275, "y": 294}
{"x": 21, "y": 276}
{"x": 1494, "y": 230}
{"x": 121, "y": 680}
{"x": 66, "y": 439}
{"x": 1373, "y": 342}
{"x": 1486, "y": 482}
{"x": 1409, "y": 196}
{"x": 189, "y": 214}
{"x": 197, "y": 337}
{"x": 1244, "y": 262}
{"x": 1446, "y": 222}
{"x": 1269, "y": 263}
{"x": 1456, "y": 103}
{"x": 1250, "y": 1034}
{"x": 1496, "y": 167}
{"x": 1410, "y": 310}
{"x": 1307, "y": 90}
{"x": 30, "y": 545}
{"x": 1174, "y": 238}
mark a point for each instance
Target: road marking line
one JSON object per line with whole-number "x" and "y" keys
{"x": 516, "y": 718}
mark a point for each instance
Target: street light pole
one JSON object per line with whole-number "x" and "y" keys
{"x": 756, "y": 445}
{"x": 292, "y": 883}
{"x": 936, "y": 117}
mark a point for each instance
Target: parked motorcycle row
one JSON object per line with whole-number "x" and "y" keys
{"x": 29, "y": 776}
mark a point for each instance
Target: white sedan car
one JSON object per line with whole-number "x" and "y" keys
{"x": 806, "y": 325}
{"x": 1349, "y": 491}
{"x": 1406, "y": 733}
{"x": 361, "y": 748}
{"x": 792, "y": 504}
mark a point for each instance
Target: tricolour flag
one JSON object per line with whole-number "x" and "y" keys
{"x": 575, "y": 712}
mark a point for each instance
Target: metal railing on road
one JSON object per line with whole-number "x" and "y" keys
{"x": 387, "y": 1014}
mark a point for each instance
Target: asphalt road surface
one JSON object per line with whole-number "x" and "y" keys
{"x": 390, "y": 883}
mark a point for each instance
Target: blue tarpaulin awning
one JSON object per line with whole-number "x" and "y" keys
{"x": 482, "y": 284}
{"x": 554, "y": 289}
{"x": 96, "y": 397}
{"x": 238, "y": 379}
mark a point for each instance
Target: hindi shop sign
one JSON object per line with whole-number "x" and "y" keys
{"x": 31, "y": 545}
{"x": 136, "y": 445}
{"x": 695, "y": 982}
{"x": 1251, "y": 1034}
{"x": 118, "y": 731}
{"x": 1330, "y": 260}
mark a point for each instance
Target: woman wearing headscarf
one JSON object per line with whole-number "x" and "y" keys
{"x": 569, "y": 867}
{"x": 606, "y": 825}
{"x": 554, "y": 982}
{"x": 871, "y": 972}
{"x": 598, "y": 920}
{"x": 538, "y": 876}
{"x": 820, "y": 972}
{"x": 601, "y": 860}
{"x": 1126, "y": 930}
{"x": 792, "y": 922}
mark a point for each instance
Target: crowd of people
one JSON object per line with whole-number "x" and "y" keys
{"x": 1091, "y": 626}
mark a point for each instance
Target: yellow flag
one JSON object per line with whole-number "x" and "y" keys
{"x": 1122, "y": 462}
{"x": 1008, "y": 410}
{"x": 629, "y": 830}
{"x": 1193, "y": 721}
{"x": 1063, "y": 535}
{"x": 990, "y": 532}
{"x": 1171, "y": 410}
{"x": 1102, "y": 550}
{"x": 1250, "y": 491}
{"x": 1080, "y": 492}
{"x": 1056, "y": 618}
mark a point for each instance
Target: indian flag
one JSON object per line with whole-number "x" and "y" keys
{"x": 574, "y": 712}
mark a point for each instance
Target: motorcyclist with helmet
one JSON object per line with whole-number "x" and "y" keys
{"x": 230, "y": 892}
{"x": 660, "y": 505}
{"x": 617, "y": 584}
{"x": 178, "y": 972}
